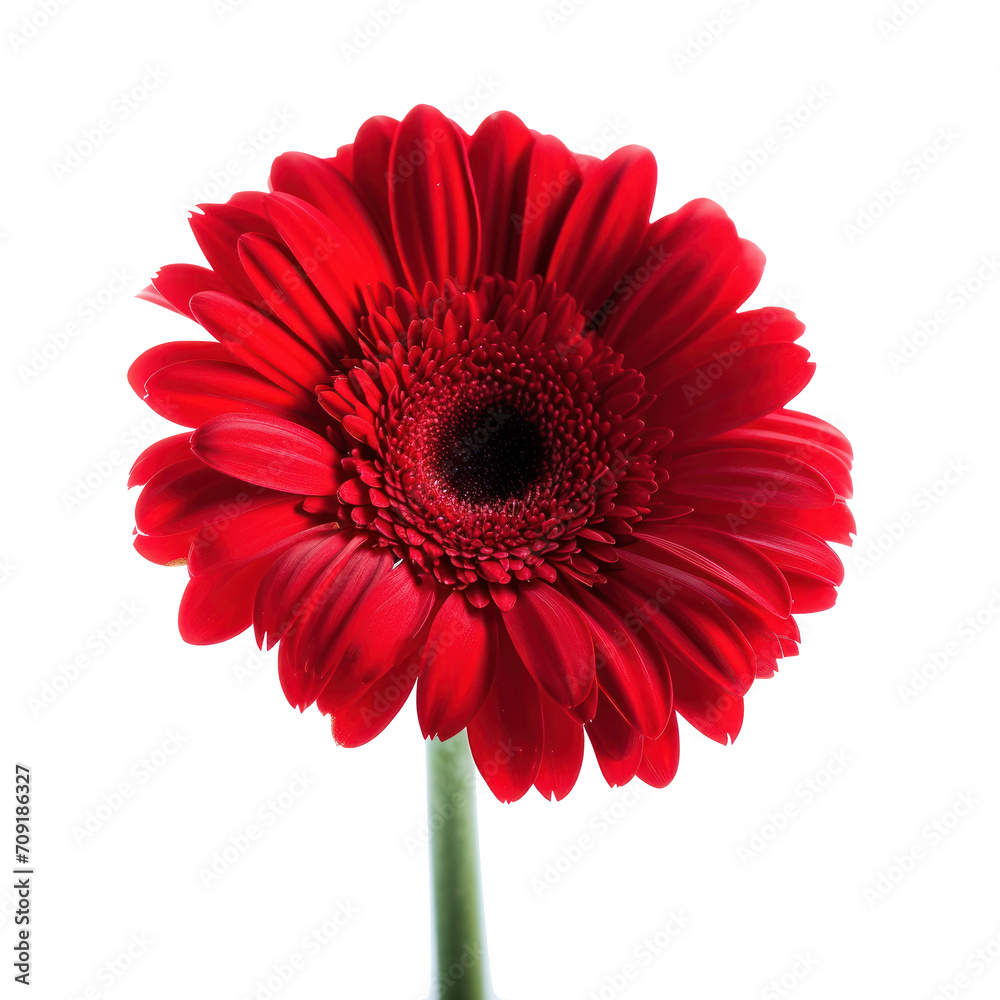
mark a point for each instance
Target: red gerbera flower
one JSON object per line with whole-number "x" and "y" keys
{"x": 471, "y": 422}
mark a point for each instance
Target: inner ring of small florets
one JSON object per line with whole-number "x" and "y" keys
{"x": 491, "y": 433}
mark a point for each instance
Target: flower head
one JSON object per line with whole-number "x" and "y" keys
{"x": 470, "y": 422}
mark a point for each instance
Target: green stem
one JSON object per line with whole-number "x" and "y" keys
{"x": 461, "y": 968}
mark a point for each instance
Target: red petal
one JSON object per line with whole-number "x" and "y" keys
{"x": 378, "y": 634}
{"x": 217, "y": 232}
{"x": 456, "y": 669}
{"x": 360, "y": 722}
{"x": 260, "y": 342}
{"x": 562, "y": 750}
{"x": 631, "y": 670}
{"x": 744, "y": 474}
{"x": 268, "y": 451}
{"x": 660, "y": 757}
{"x": 297, "y": 582}
{"x": 372, "y": 149}
{"x": 158, "y": 456}
{"x": 191, "y": 392}
{"x": 604, "y": 226}
{"x": 553, "y": 642}
{"x": 179, "y": 283}
{"x": 498, "y": 160}
{"x": 617, "y": 745}
{"x": 338, "y": 269}
{"x": 188, "y": 495}
{"x": 247, "y": 536}
{"x": 151, "y": 361}
{"x": 506, "y": 735}
{"x": 293, "y": 297}
{"x": 217, "y": 606}
{"x": 724, "y": 392}
{"x": 553, "y": 181}
{"x": 699, "y": 271}
{"x": 432, "y": 201}
{"x": 719, "y": 557}
{"x": 315, "y": 181}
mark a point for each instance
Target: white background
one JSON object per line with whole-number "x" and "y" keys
{"x": 602, "y": 75}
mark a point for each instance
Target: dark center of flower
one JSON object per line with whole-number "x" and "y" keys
{"x": 489, "y": 453}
